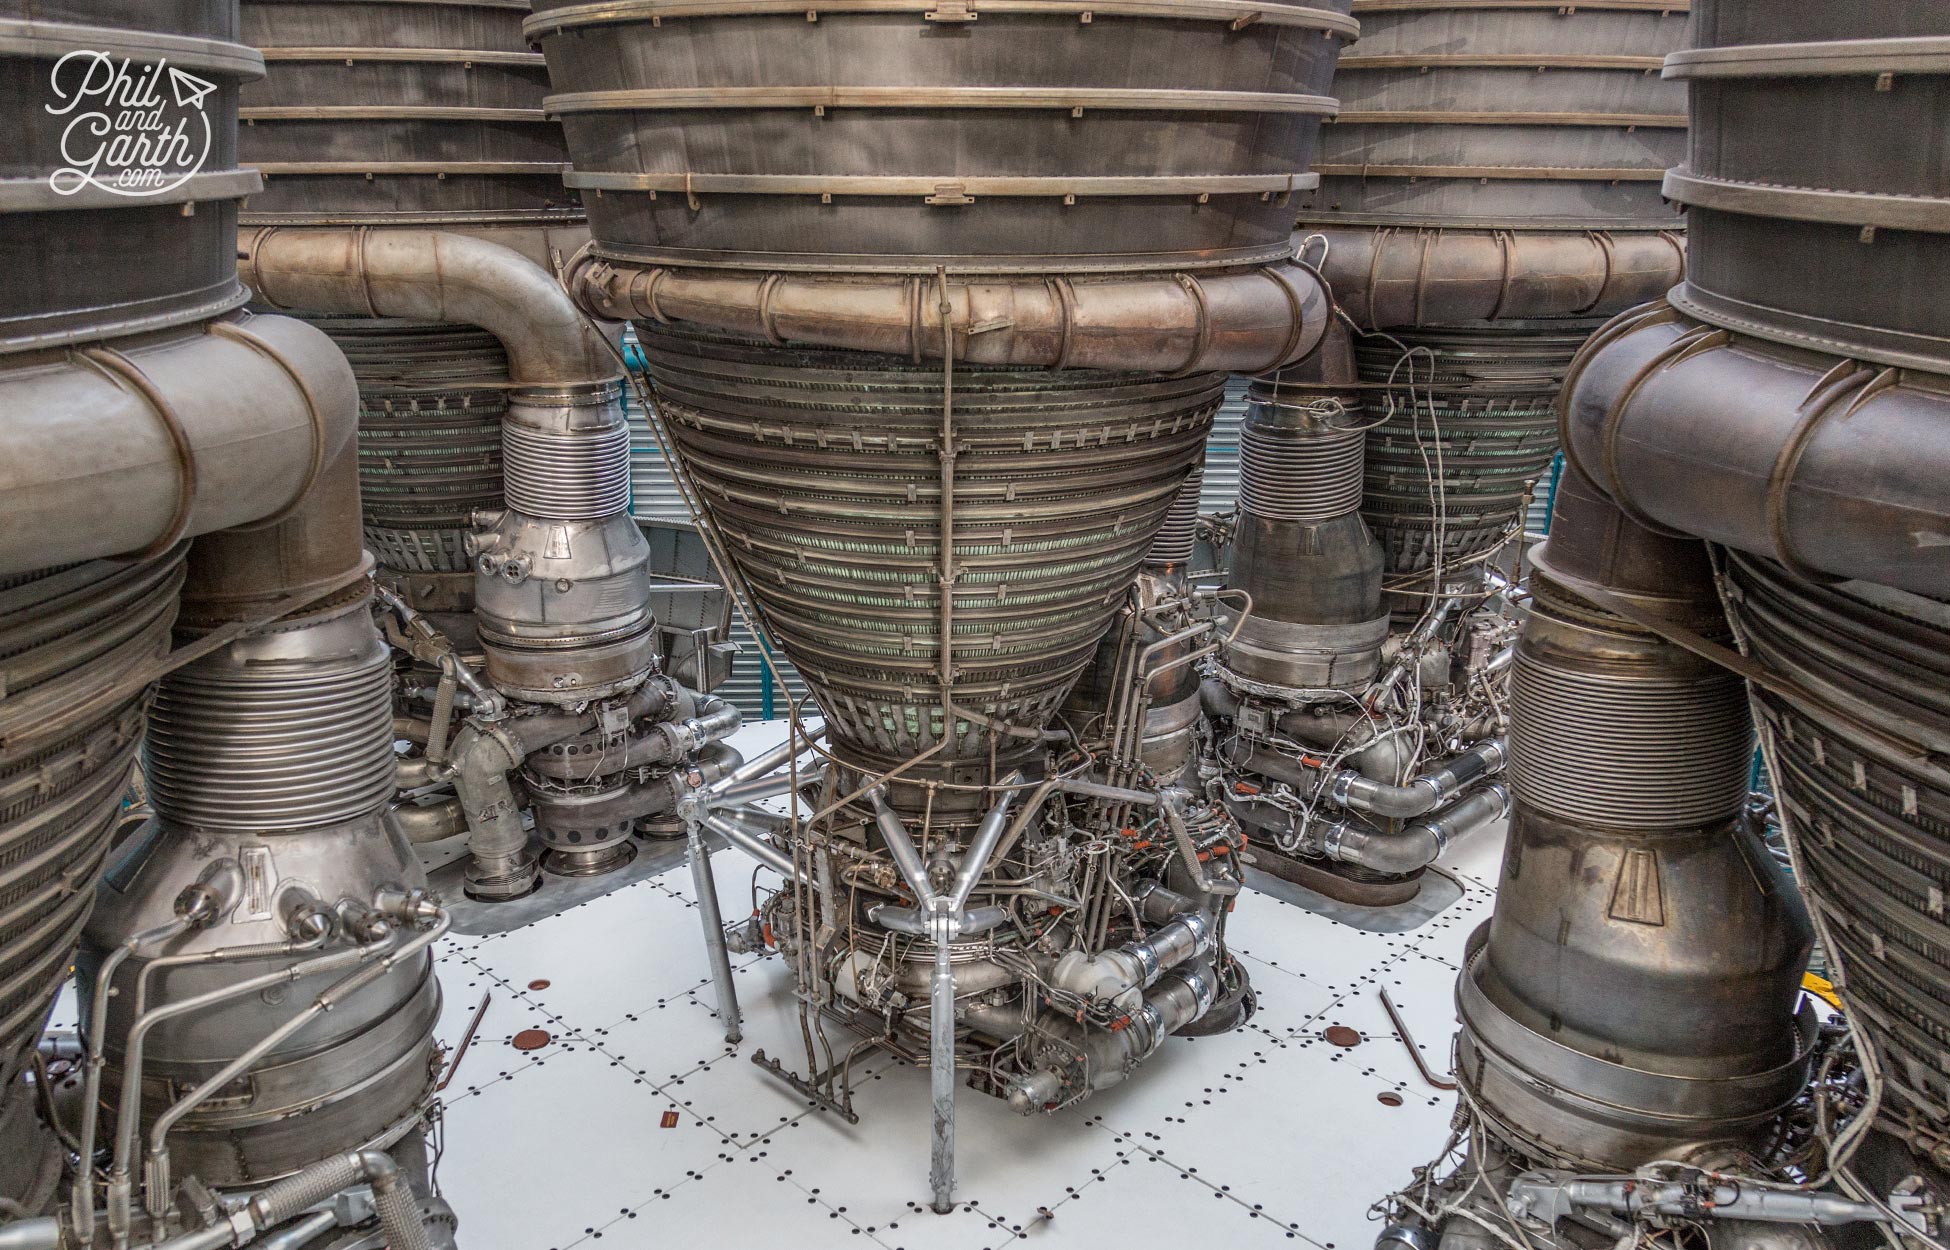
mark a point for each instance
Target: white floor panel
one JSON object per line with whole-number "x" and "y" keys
{"x": 594, "y": 964}
{"x": 1149, "y": 1200}
{"x": 558, "y": 1149}
{"x": 1287, "y": 1000}
{"x": 1312, "y": 1148}
{"x": 736, "y": 1204}
{"x": 1270, "y": 1135}
{"x": 1007, "y": 1166}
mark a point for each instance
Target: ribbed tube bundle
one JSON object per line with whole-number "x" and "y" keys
{"x": 138, "y": 412}
{"x": 431, "y": 399}
{"x": 822, "y": 471}
{"x": 1490, "y": 189}
{"x": 1085, "y": 210}
{"x": 1857, "y": 760}
{"x": 1178, "y": 537}
{"x": 1475, "y": 410}
{"x": 66, "y": 636}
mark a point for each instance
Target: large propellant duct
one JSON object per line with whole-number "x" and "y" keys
{"x": 126, "y": 374}
{"x": 1633, "y": 997}
{"x": 937, "y": 300}
{"x": 415, "y": 203}
{"x": 396, "y": 114}
{"x": 68, "y": 633}
{"x": 1488, "y": 191}
{"x": 258, "y": 991}
{"x": 1857, "y": 752}
{"x": 1793, "y": 413}
{"x": 1816, "y": 394}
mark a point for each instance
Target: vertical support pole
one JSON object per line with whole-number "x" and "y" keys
{"x": 714, "y": 944}
{"x": 941, "y": 1069}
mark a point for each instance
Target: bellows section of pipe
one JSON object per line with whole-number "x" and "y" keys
{"x": 1631, "y": 889}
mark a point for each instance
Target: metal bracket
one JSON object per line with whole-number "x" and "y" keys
{"x": 951, "y": 193}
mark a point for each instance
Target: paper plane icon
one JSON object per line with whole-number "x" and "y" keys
{"x": 189, "y": 89}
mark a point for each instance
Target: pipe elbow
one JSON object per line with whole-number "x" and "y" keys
{"x": 1416, "y": 846}
{"x": 1355, "y": 792}
{"x": 432, "y": 275}
{"x": 246, "y": 423}
{"x": 1394, "y": 854}
{"x": 1217, "y": 699}
{"x": 1827, "y": 466}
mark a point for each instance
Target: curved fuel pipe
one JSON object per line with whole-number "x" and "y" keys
{"x": 1416, "y": 846}
{"x": 228, "y": 425}
{"x": 1828, "y": 467}
{"x": 430, "y": 275}
{"x": 1434, "y": 277}
{"x": 1101, "y": 1057}
{"x": 1247, "y": 321}
{"x": 1421, "y": 795}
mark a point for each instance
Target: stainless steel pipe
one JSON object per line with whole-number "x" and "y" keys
{"x": 187, "y": 434}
